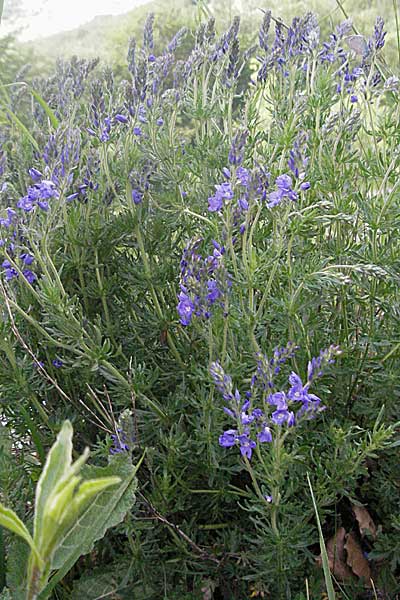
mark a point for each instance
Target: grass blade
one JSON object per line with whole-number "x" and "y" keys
{"x": 324, "y": 554}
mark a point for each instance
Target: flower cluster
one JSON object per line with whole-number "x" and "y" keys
{"x": 204, "y": 282}
{"x": 124, "y": 438}
{"x": 10, "y": 272}
{"x": 38, "y": 194}
{"x": 278, "y": 408}
{"x": 121, "y": 443}
{"x": 294, "y": 43}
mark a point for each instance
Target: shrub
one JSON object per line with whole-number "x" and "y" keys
{"x": 168, "y": 244}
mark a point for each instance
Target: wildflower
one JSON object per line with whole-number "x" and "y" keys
{"x": 204, "y": 282}
{"x": 38, "y": 195}
{"x": 236, "y": 152}
{"x": 7, "y": 222}
{"x": 228, "y": 438}
{"x": 264, "y": 435}
{"x": 185, "y": 308}
{"x": 121, "y": 118}
{"x": 72, "y": 197}
{"x": 285, "y": 190}
{"x": 29, "y": 275}
{"x": 137, "y": 196}
{"x": 120, "y": 442}
{"x": 223, "y": 192}
{"x": 246, "y": 445}
{"x": 9, "y": 271}
{"x": 263, "y": 34}
{"x": 35, "y": 174}
{"x": 379, "y": 34}
{"x": 281, "y": 416}
{"x": 57, "y": 363}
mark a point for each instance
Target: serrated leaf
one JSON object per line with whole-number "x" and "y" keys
{"x": 107, "y": 510}
{"x": 57, "y": 464}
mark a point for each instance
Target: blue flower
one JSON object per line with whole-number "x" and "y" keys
{"x": 246, "y": 445}
{"x": 121, "y": 443}
{"x": 26, "y": 258}
{"x": 279, "y": 417}
{"x": 35, "y": 174}
{"x": 57, "y": 363}
{"x": 284, "y": 184}
{"x": 29, "y": 276}
{"x": 185, "y": 308}
{"x": 223, "y": 192}
{"x": 228, "y": 438}
{"x": 121, "y": 118}
{"x": 137, "y": 196}
{"x": 264, "y": 435}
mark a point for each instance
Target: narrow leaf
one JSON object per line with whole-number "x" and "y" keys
{"x": 324, "y": 554}
{"x": 52, "y": 117}
{"x": 23, "y": 129}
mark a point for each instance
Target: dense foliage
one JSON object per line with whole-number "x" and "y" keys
{"x": 201, "y": 262}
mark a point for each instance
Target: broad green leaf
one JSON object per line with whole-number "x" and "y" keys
{"x": 91, "y": 487}
{"x": 59, "y": 503}
{"x": 12, "y": 522}
{"x": 107, "y": 510}
{"x": 57, "y": 465}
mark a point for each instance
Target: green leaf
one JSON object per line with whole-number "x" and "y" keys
{"x": 324, "y": 554}
{"x": 52, "y": 117}
{"x": 1, "y": 8}
{"x": 107, "y": 510}
{"x": 23, "y": 129}
{"x": 17, "y": 562}
{"x": 91, "y": 487}
{"x": 12, "y": 522}
{"x": 57, "y": 464}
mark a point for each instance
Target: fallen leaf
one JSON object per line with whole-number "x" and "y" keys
{"x": 337, "y": 556}
{"x": 356, "y": 559}
{"x": 364, "y": 519}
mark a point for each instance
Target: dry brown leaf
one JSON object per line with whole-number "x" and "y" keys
{"x": 356, "y": 559}
{"x": 337, "y": 556}
{"x": 364, "y": 519}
